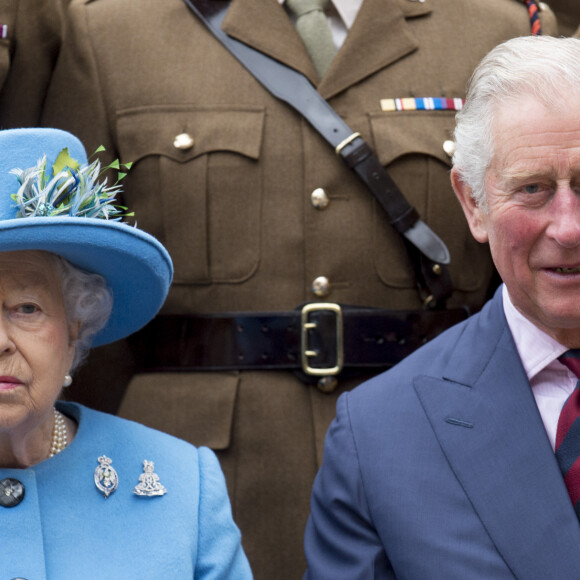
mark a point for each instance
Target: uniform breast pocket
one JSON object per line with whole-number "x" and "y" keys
{"x": 416, "y": 148}
{"x": 196, "y": 185}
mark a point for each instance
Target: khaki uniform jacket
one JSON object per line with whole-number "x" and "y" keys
{"x": 235, "y": 209}
{"x": 29, "y": 44}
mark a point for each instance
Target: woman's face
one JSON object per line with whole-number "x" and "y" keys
{"x": 36, "y": 341}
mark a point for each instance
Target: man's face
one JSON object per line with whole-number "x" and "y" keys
{"x": 532, "y": 224}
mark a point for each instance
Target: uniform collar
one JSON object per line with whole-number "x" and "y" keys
{"x": 379, "y": 37}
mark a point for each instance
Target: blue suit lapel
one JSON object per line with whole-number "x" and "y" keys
{"x": 485, "y": 418}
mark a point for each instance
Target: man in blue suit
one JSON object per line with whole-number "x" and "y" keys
{"x": 444, "y": 467}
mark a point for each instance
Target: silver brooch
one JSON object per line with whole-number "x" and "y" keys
{"x": 106, "y": 478}
{"x": 149, "y": 484}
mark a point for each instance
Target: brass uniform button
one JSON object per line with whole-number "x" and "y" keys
{"x": 11, "y": 492}
{"x": 319, "y": 198}
{"x": 449, "y": 147}
{"x": 327, "y": 384}
{"x": 183, "y": 141}
{"x": 321, "y": 287}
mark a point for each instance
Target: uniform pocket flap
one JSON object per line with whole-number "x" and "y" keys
{"x": 197, "y": 407}
{"x": 408, "y": 132}
{"x": 183, "y": 132}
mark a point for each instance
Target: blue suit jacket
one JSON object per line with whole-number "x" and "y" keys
{"x": 441, "y": 468}
{"x": 65, "y": 529}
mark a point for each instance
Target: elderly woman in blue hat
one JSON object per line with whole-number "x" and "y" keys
{"x": 84, "y": 494}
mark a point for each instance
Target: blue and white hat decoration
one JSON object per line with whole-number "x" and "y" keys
{"x": 71, "y": 214}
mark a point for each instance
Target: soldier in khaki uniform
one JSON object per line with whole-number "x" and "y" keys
{"x": 30, "y": 36}
{"x": 260, "y": 215}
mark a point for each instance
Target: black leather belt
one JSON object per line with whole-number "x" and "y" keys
{"x": 319, "y": 339}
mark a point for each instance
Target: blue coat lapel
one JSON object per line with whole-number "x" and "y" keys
{"x": 486, "y": 420}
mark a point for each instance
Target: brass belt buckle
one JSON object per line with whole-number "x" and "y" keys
{"x": 307, "y": 325}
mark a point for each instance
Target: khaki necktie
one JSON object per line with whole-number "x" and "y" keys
{"x": 313, "y": 28}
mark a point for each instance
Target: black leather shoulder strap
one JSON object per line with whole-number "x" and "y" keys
{"x": 427, "y": 252}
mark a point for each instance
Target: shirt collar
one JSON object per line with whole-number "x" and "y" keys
{"x": 347, "y": 10}
{"x": 537, "y": 349}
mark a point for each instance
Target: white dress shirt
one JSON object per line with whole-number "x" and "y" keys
{"x": 552, "y": 382}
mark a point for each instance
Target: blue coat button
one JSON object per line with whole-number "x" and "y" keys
{"x": 11, "y": 492}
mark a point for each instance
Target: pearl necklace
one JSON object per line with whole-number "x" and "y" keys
{"x": 59, "y": 434}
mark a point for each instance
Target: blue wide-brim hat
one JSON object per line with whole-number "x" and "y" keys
{"x": 137, "y": 268}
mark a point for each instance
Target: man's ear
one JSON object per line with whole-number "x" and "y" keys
{"x": 476, "y": 217}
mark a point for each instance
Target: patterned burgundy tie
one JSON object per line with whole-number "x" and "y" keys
{"x": 568, "y": 433}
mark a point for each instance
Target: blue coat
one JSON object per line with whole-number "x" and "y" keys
{"x": 441, "y": 469}
{"x": 66, "y": 529}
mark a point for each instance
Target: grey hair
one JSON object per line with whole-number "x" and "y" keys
{"x": 530, "y": 65}
{"x": 88, "y": 301}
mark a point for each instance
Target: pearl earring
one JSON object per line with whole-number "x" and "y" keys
{"x": 67, "y": 381}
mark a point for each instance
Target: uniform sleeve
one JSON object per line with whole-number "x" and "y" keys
{"x": 341, "y": 542}
{"x": 220, "y": 553}
{"x": 33, "y": 38}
